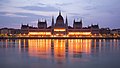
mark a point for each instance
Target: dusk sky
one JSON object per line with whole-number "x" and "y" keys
{"x": 13, "y": 13}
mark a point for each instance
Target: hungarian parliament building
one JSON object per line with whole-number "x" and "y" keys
{"x": 59, "y": 28}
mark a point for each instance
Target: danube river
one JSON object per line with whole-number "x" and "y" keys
{"x": 60, "y": 53}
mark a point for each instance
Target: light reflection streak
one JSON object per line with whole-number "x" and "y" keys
{"x": 104, "y": 44}
{"x": 100, "y": 45}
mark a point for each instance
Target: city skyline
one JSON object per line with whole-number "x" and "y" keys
{"x": 13, "y": 13}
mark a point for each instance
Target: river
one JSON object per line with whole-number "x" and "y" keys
{"x": 59, "y": 53}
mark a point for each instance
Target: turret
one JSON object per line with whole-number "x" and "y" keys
{"x": 42, "y": 24}
{"x": 77, "y": 24}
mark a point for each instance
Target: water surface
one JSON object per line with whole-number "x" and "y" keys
{"x": 60, "y": 53}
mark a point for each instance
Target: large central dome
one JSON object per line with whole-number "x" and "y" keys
{"x": 59, "y": 20}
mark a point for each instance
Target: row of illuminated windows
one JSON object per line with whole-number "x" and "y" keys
{"x": 49, "y": 33}
{"x": 39, "y": 33}
{"x": 59, "y": 30}
{"x": 79, "y": 33}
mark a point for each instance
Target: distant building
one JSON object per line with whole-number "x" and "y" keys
{"x": 94, "y": 29}
{"x": 105, "y": 31}
{"x": 115, "y": 31}
{"x": 7, "y": 31}
{"x": 24, "y": 29}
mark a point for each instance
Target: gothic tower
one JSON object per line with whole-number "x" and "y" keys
{"x": 52, "y": 25}
{"x": 77, "y": 24}
{"x": 66, "y": 24}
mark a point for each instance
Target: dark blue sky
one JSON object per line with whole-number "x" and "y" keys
{"x": 13, "y": 13}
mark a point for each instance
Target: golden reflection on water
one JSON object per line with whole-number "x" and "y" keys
{"x": 79, "y": 46}
{"x": 60, "y": 49}
{"x": 39, "y": 48}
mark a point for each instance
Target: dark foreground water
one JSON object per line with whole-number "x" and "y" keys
{"x": 64, "y": 53}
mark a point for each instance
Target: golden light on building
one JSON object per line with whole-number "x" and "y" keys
{"x": 60, "y": 30}
{"x": 39, "y": 33}
{"x": 79, "y": 33}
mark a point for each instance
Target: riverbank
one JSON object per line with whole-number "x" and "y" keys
{"x": 59, "y": 37}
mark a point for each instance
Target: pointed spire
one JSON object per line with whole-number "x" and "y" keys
{"x": 45, "y": 20}
{"x": 66, "y": 21}
{"x": 74, "y": 20}
{"x": 59, "y": 12}
{"x": 81, "y": 21}
{"x": 66, "y": 17}
{"x": 52, "y": 17}
{"x": 38, "y": 20}
{"x": 52, "y": 25}
{"x": 52, "y": 20}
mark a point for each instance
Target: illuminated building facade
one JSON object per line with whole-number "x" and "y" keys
{"x": 60, "y": 28}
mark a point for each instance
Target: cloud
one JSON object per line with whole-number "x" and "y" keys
{"x": 75, "y": 14}
{"x": 41, "y": 4}
{"x": 4, "y": 1}
{"x": 90, "y": 8}
{"x": 31, "y": 15}
{"x": 79, "y": 15}
{"x": 2, "y": 13}
{"x": 39, "y": 8}
{"x": 13, "y": 15}
{"x": 25, "y": 11}
{"x": 63, "y": 4}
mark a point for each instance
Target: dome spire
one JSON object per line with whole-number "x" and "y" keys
{"x": 59, "y": 12}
